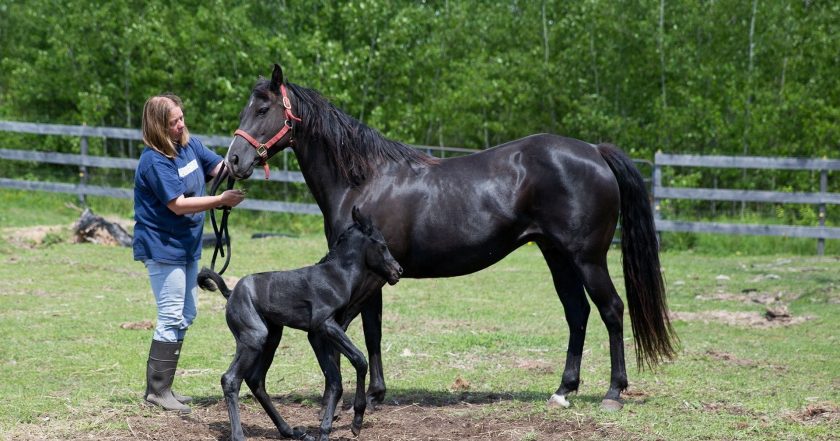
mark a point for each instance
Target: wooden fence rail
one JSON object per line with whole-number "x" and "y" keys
{"x": 821, "y": 198}
{"x": 84, "y": 160}
{"x": 660, "y": 191}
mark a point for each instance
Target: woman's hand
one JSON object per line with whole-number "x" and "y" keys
{"x": 231, "y": 198}
{"x": 183, "y": 205}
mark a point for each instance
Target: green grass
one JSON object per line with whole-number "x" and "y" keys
{"x": 66, "y": 362}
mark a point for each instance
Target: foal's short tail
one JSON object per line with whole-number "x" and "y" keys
{"x": 208, "y": 280}
{"x": 655, "y": 338}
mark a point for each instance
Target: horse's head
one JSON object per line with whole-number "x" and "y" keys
{"x": 365, "y": 237}
{"x": 265, "y": 127}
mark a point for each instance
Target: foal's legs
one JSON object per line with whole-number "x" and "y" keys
{"x": 372, "y": 327}
{"x": 569, "y": 288}
{"x": 256, "y": 382}
{"x": 597, "y": 280}
{"x": 317, "y": 340}
{"x": 335, "y": 333}
{"x": 245, "y": 363}
{"x": 333, "y": 389}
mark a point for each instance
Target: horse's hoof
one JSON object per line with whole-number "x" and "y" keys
{"x": 356, "y": 429}
{"x": 371, "y": 403}
{"x": 299, "y": 433}
{"x": 374, "y": 398}
{"x": 558, "y": 401}
{"x": 611, "y": 405}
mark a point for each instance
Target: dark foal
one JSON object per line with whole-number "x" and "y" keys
{"x": 319, "y": 299}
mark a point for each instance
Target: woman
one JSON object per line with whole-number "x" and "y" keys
{"x": 169, "y": 205}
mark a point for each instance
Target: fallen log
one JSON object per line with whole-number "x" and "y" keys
{"x": 95, "y": 229}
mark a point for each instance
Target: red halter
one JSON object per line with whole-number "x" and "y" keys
{"x": 263, "y": 148}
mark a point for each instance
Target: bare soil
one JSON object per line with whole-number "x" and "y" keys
{"x": 768, "y": 319}
{"x": 389, "y": 422}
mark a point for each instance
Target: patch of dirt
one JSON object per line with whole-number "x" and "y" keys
{"x": 31, "y": 237}
{"x": 749, "y": 296}
{"x": 35, "y": 236}
{"x": 389, "y": 422}
{"x": 730, "y": 358}
{"x": 460, "y": 385}
{"x": 538, "y": 365}
{"x": 817, "y": 413}
{"x": 144, "y": 325}
{"x": 768, "y": 319}
{"x": 732, "y": 409}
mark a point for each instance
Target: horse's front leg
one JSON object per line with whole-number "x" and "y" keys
{"x": 324, "y": 352}
{"x": 337, "y": 336}
{"x": 372, "y": 326}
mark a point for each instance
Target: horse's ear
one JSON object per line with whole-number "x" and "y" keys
{"x": 362, "y": 220}
{"x": 276, "y": 79}
{"x": 357, "y": 215}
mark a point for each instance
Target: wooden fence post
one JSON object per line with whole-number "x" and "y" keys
{"x": 823, "y": 191}
{"x": 83, "y": 174}
{"x": 655, "y": 185}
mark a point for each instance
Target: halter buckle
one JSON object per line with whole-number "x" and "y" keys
{"x": 262, "y": 151}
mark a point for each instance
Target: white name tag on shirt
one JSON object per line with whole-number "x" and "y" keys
{"x": 187, "y": 169}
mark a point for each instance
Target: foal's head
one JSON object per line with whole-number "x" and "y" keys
{"x": 365, "y": 238}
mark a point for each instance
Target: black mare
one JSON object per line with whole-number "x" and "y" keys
{"x": 315, "y": 299}
{"x": 449, "y": 217}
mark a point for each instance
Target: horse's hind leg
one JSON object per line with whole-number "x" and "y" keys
{"x": 243, "y": 362}
{"x": 598, "y": 284}
{"x": 256, "y": 382}
{"x": 569, "y": 288}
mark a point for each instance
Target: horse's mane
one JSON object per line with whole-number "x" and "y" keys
{"x": 354, "y": 147}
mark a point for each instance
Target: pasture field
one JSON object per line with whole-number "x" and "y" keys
{"x": 473, "y": 357}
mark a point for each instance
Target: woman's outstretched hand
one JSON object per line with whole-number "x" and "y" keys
{"x": 231, "y": 198}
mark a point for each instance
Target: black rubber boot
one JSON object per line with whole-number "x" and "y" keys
{"x": 182, "y": 398}
{"x": 160, "y": 371}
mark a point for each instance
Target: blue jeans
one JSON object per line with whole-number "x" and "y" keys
{"x": 176, "y": 295}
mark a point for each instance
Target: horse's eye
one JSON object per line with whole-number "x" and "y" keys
{"x": 263, "y": 110}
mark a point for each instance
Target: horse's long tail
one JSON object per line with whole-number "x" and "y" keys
{"x": 208, "y": 280}
{"x": 652, "y": 331}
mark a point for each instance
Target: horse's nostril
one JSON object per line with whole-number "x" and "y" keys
{"x": 234, "y": 160}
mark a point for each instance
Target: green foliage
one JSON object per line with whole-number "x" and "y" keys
{"x": 707, "y": 77}
{"x": 451, "y": 73}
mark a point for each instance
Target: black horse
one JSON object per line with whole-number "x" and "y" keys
{"x": 314, "y": 299}
{"x": 456, "y": 216}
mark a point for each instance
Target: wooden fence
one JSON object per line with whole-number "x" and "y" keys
{"x": 83, "y": 161}
{"x": 660, "y": 191}
{"x": 820, "y": 199}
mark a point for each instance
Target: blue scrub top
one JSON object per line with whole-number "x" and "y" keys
{"x": 160, "y": 234}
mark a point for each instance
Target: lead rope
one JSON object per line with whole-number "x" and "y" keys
{"x": 221, "y": 229}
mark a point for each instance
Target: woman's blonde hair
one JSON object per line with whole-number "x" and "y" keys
{"x": 156, "y": 124}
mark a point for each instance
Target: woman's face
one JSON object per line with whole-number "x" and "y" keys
{"x": 176, "y": 124}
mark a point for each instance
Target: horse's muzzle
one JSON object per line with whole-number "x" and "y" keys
{"x": 238, "y": 170}
{"x": 394, "y": 274}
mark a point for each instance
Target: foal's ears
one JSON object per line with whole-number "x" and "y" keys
{"x": 362, "y": 220}
{"x": 276, "y": 79}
